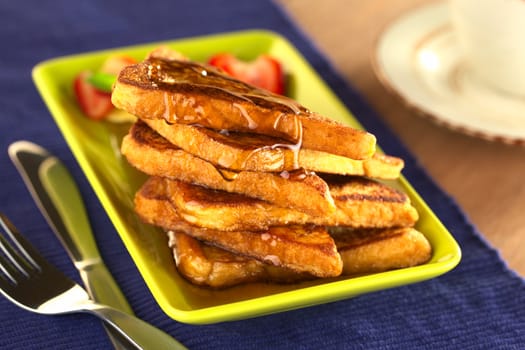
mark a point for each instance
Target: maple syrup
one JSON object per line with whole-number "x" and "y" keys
{"x": 175, "y": 75}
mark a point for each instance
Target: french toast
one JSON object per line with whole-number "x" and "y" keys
{"x": 362, "y": 251}
{"x": 377, "y": 250}
{"x": 180, "y": 91}
{"x": 206, "y": 265}
{"x": 360, "y": 203}
{"x": 306, "y": 249}
{"x": 252, "y": 152}
{"x": 152, "y": 154}
{"x": 369, "y": 202}
{"x": 251, "y": 186}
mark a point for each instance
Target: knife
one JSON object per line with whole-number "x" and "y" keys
{"x": 58, "y": 198}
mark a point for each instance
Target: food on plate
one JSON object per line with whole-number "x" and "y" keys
{"x": 95, "y": 103}
{"x": 303, "y": 248}
{"x": 251, "y": 186}
{"x": 154, "y": 155}
{"x": 360, "y": 203}
{"x": 92, "y": 90}
{"x": 361, "y": 250}
{"x": 114, "y": 64}
{"x": 378, "y": 250}
{"x": 191, "y": 93}
{"x": 245, "y": 151}
{"x": 207, "y": 265}
{"x": 265, "y": 71}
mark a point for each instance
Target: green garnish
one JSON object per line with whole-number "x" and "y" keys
{"x": 102, "y": 81}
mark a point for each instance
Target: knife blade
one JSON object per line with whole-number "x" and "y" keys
{"x": 58, "y": 198}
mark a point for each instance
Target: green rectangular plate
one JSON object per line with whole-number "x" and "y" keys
{"x": 96, "y": 147}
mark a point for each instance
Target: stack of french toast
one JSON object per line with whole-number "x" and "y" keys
{"x": 251, "y": 186}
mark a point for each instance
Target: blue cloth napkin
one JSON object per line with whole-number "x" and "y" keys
{"x": 480, "y": 304}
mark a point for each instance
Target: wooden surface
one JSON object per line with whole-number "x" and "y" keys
{"x": 486, "y": 179}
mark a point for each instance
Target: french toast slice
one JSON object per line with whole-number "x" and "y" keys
{"x": 181, "y": 91}
{"x": 370, "y": 202}
{"x": 378, "y": 250}
{"x": 154, "y": 155}
{"x": 251, "y": 152}
{"x": 362, "y": 252}
{"x": 306, "y": 249}
{"x": 360, "y": 203}
{"x": 207, "y": 265}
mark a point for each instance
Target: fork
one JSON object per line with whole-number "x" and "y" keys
{"x": 32, "y": 283}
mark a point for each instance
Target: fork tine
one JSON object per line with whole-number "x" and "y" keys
{"x": 7, "y": 274}
{"x": 16, "y": 263}
{"x": 25, "y": 254}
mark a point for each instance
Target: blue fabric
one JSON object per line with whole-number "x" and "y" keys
{"x": 480, "y": 304}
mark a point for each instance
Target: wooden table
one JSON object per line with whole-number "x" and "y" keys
{"x": 486, "y": 179}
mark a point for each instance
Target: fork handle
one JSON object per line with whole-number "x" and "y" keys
{"x": 140, "y": 333}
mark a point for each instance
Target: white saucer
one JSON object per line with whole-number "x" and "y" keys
{"x": 418, "y": 58}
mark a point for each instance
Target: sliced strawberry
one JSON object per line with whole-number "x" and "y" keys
{"x": 94, "y": 103}
{"x": 265, "y": 72}
{"x": 224, "y": 61}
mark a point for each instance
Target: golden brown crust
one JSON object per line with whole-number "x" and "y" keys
{"x": 154, "y": 155}
{"x": 371, "y": 251}
{"x": 370, "y": 203}
{"x": 252, "y": 152}
{"x": 300, "y": 248}
{"x": 362, "y": 251}
{"x": 219, "y": 102}
{"x": 366, "y": 203}
{"x": 206, "y": 265}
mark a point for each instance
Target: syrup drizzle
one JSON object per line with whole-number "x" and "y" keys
{"x": 295, "y": 148}
{"x": 228, "y": 175}
{"x": 173, "y": 72}
{"x": 251, "y": 123}
{"x": 295, "y": 175}
{"x": 176, "y": 72}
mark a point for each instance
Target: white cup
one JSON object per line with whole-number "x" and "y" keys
{"x": 491, "y": 34}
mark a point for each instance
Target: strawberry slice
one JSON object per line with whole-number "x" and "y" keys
{"x": 264, "y": 72}
{"x": 94, "y": 103}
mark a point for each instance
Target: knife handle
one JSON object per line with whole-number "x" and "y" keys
{"x": 67, "y": 201}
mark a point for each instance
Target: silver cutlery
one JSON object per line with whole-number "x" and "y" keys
{"x": 56, "y": 195}
{"x": 58, "y": 198}
{"x": 30, "y": 282}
